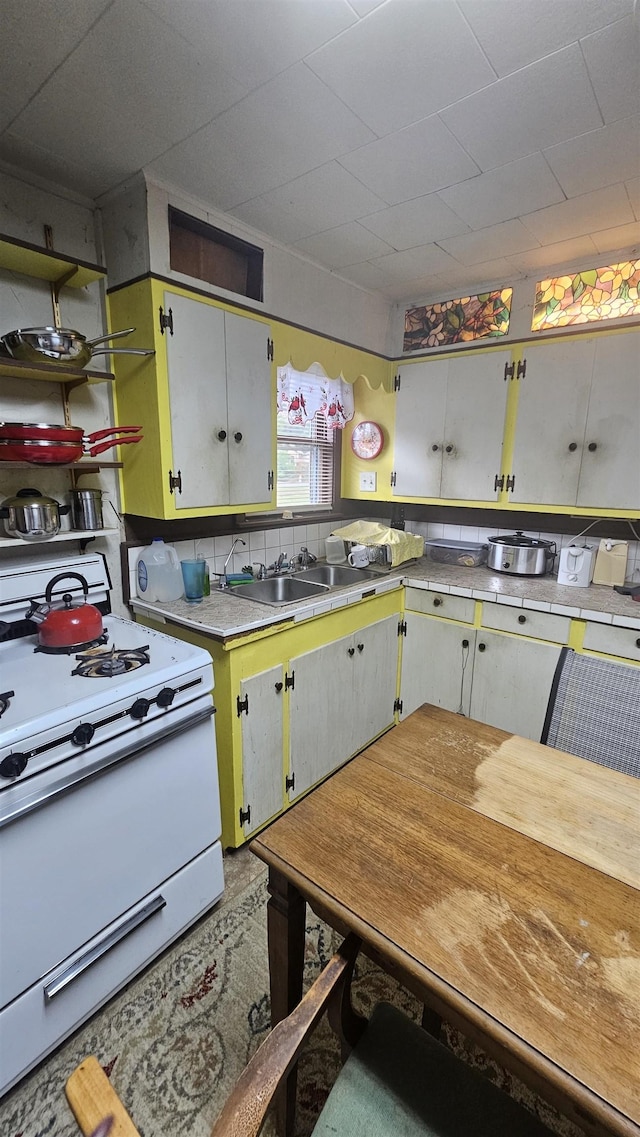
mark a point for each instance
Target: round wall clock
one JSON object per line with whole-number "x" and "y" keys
{"x": 367, "y": 440}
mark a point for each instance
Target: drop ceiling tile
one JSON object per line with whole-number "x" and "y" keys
{"x": 598, "y": 158}
{"x": 412, "y": 163}
{"x": 363, "y": 7}
{"x": 554, "y": 258}
{"x": 415, "y": 222}
{"x": 413, "y": 263}
{"x": 365, "y": 274}
{"x": 291, "y": 125}
{"x": 497, "y": 273}
{"x": 485, "y": 244}
{"x": 633, "y": 190}
{"x": 254, "y": 40}
{"x": 513, "y": 35}
{"x": 621, "y": 237}
{"x": 588, "y": 213}
{"x": 533, "y": 108}
{"x": 504, "y": 193}
{"x": 411, "y": 293}
{"x": 35, "y": 42}
{"x": 321, "y": 200}
{"x": 345, "y": 245}
{"x": 613, "y": 60}
{"x": 90, "y": 180}
{"x": 403, "y": 62}
{"x": 270, "y": 218}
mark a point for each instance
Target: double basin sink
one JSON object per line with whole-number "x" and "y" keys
{"x": 303, "y": 586}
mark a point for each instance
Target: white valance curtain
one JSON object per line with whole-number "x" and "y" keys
{"x": 303, "y": 394}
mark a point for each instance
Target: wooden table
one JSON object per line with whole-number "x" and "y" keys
{"x": 499, "y": 880}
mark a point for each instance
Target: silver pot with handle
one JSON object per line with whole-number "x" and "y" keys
{"x": 31, "y": 515}
{"x": 521, "y": 555}
{"x": 63, "y": 347}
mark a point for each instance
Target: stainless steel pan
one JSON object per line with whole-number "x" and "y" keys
{"x": 63, "y": 347}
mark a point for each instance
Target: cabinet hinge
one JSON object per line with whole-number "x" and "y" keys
{"x": 245, "y": 814}
{"x": 166, "y": 320}
{"x": 290, "y": 783}
{"x": 175, "y": 481}
{"x": 508, "y": 371}
{"x": 396, "y": 382}
{"x": 243, "y": 705}
{"x": 397, "y": 706}
{"x": 269, "y": 349}
{"x": 393, "y": 478}
{"x": 289, "y": 681}
{"x": 270, "y": 480}
{"x": 522, "y": 369}
{"x": 402, "y": 628}
{"x": 511, "y": 482}
{"x": 498, "y": 483}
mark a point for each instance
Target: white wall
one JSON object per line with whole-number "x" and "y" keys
{"x": 295, "y": 289}
{"x": 24, "y": 302}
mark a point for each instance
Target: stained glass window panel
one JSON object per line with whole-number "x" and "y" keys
{"x": 458, "y": 321}
{"x": 582, "y": 297}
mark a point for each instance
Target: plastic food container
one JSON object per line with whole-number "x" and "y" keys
{"x": 469, "y": 554}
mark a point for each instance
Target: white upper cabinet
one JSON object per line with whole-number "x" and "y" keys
{"x": 221, "y": 405}
{"x": 577, "y": 434}
{"x": 450, "y": 418}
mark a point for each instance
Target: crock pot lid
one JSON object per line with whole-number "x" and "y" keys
{"x": 520, "y": 539}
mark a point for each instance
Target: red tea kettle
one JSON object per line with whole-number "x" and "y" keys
{"x": 68, "y": 626}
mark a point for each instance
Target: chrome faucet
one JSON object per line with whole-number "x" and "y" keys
{"x": 223, "y": 576}
{"x": 305, "y": 558}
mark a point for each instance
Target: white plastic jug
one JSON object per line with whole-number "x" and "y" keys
{"x": 158, "y": 572}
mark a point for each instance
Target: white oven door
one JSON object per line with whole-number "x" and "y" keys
{"x": 85, "y": 841}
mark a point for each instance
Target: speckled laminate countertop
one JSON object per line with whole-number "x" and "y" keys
{"x": 226, "y": 615}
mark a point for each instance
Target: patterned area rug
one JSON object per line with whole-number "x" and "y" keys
{"x": 176, "y": 1039}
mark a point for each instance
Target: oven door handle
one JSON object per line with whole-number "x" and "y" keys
{"x": 72, "y": 781}
{"x": 68, "y": 972}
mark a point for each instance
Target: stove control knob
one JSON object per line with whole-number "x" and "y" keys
{"x": 83, "y": 734}
{"x": 13, "y": 765}
{"x": 140, "y": 709}
{"x": 166, "y": 696}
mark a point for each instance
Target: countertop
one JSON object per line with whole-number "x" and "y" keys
{"x": 226, "y": 615}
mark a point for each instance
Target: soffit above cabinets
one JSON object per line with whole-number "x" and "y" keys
{"x": 395, "y": 142}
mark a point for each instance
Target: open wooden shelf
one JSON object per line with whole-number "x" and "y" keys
{"x": 67, "y": 535}
{"x": 50, "y": 372}
{"x": 46, "y": 264}
{"x": 84, "y": 466}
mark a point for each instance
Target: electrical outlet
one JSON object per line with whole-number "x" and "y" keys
{"x": 368, "y": 482}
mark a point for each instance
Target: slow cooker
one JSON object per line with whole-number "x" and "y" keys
{"x": 521, "y": 555}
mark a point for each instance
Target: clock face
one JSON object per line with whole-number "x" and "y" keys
{"x": 367, "y": 440}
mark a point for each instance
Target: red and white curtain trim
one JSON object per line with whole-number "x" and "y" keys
{"x": 303, "y": 394}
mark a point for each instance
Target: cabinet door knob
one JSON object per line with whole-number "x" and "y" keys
{"x": 435, "y": 446}
{"x": 573, "y": 446}
{"x": 238, "y": 436}
{"x": 222, "y": 434}
{"x": 522, "y": 619}
{"x": 637, "y": 643}
{"x": 449, "y": 448}
{"x": 360, "y": 647}
{"x": 482, "y": 647}
{"x": 351, "y": 651}
{"x": 592, "y": 446}
{"x": 437, "y": 602}
{"x": 279, "y": 687}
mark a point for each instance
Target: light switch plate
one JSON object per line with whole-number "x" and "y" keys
{"x": 368, "y": 482}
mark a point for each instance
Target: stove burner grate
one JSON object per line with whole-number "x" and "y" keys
{"x": 101, "y": 663}
{"x": 5, "y": 699}
{"x": 71, "y": 649}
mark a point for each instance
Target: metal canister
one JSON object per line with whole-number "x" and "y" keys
{"x": 86, "y": 509}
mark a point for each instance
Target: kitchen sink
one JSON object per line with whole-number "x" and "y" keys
{"x": 336, "y": 576}
{"x": 278, "y": 590}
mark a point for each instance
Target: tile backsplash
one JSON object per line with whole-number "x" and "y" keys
{"x": 264, "y": 546}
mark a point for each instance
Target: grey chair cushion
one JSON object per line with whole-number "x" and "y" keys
{"x": 594, "y": 711}
{"x": 401, "y": 1082}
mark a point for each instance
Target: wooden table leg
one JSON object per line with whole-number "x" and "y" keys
{"x": 286, "y": 913}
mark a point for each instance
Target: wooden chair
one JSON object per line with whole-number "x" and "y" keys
{"x": 594, "y": 711}
{"x": 398, "y": 1080}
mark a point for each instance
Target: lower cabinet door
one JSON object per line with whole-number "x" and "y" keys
{"x": 512, "y": 679}
{"x": 375, "y": 671}
{"x": 260, "y": 708}
{"x": 437, "y": 664}
{"x": 320, "y": 713}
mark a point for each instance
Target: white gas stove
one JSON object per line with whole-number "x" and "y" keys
{"x": 109, "y": 807}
